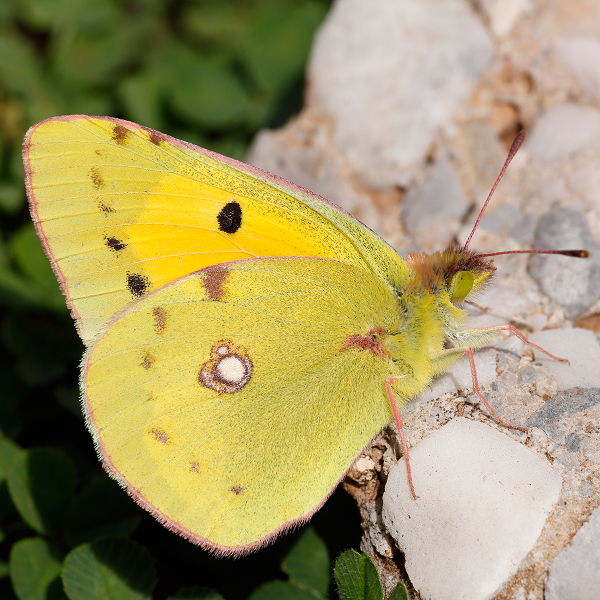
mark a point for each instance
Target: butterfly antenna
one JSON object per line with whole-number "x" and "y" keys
{"x": 511, "y": 153}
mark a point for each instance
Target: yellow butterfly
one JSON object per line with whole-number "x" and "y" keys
{"x": 245, "y": 338}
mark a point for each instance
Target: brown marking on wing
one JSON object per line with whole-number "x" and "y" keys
{"x": 120, "y": 134}
{"x": 147, "y": 360}
{"x": 214, "y": 279}
{"x": 373, "y": 341}
{"x": 160, "y": 319}
{"x": 160, "y": 435}
{"x": 96, "y": 178}
{"x": 155, "y": 138}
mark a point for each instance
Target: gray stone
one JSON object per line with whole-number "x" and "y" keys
{"x": 438, "y": 198}
{"x": 573, "y": 442}
{"x": 572, "y": 282}
{"x": 389, "y": 75}
{"x": 563, "y": 404}
{"x": 482, "y": 503}
{"x": 575, "y": 572}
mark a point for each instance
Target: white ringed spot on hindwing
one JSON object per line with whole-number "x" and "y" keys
{"x": 228, "y": 370}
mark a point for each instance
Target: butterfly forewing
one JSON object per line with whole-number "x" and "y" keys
{"x": 122, "y": 210}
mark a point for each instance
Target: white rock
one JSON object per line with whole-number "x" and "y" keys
{"x": 483, "y": 501}
{"x": 582, "y": 55}
{"x": 504, "y": 14}
{"x": 579, "y": 346}
{"x": 439, "y": 197}
{"x": 575, "y": 572}
{"x": 562, "y": 130}
{"x": 389, "y": 74}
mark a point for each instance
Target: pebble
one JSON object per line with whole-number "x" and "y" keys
{"x": 482, "y": 503}
{"x": 575, "y": 572}
{"x": 574, "y": 283}
{"x": 563, "y": 404}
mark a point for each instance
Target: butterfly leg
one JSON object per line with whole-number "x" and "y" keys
{"x": 477, "y": 337}
{"x": 400, "y": 425}
{"x": 469, "y": 352}
{"x": 520, "y": 336}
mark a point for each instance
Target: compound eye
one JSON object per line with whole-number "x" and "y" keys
{"x": 463, "y": 284}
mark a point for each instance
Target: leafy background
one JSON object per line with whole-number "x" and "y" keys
{"x": 211, "y": 72}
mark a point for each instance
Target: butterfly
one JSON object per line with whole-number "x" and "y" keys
{"x": 245, "y": 338}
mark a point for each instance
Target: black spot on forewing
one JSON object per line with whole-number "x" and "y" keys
{"x": 114, "y": 244}
{"x": 230, "y": 217}
{"x": 137, "y": 284}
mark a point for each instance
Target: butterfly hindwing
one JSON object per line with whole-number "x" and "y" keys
{"x": 229, "y": 403}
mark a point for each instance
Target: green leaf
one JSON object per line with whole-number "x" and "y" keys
{"x": 35, "y": 570}
{"x": 196, "y": 593}
{"x": 41, "y": 484}
{"x": 102, "y": 509}
{"x": 29, "y": 256}
{"x": 400, "y": 592}
{"x": 281, "y": 590}
{"x": 357, "y": 577}
{"x": 12, "y": 197}
{"x": 142, "y": 99}
{"x": 8, "y": 452}
{"x": 20, "y": 72}
{"x": 307, "y": 563}
{"x": 10, "y": 415}
{"x": 55, "y": 14}
{"x": 38, "y": 286}
{"x": 83, "y": 60}
{"x": 278, "y": 44}
{"x": 109, "y": 569}
{"x": 202, "y": 91}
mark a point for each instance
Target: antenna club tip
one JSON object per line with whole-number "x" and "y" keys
{"x": 574, "y": 253}
{"x": 517, "y": 142}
